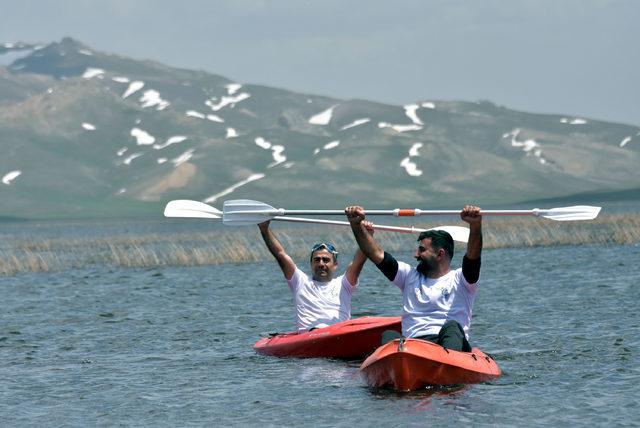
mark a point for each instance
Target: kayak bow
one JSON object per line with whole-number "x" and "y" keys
{"x": 411, "y": 364}
{"x": 351, "y": 339}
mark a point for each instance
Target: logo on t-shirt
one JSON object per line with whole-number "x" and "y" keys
{"x": 427, "y": 294}
{"x": 444, "y": 290}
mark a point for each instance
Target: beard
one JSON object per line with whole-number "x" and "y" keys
{"x": 424, "y": 267}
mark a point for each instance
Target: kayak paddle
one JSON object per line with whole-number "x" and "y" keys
{"x": 195, "y": 209}
{"x": 243, "y": 210}
{"x": 192, "y": 209}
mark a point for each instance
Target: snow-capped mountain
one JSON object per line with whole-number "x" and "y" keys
{"x": 85, "y": 133}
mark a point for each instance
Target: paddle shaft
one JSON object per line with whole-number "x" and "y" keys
{"x": 396, "y": 212}
{"x": 458, "y": 233}
{"x": 346, "y": 223}
{"x": 240, "y": 210}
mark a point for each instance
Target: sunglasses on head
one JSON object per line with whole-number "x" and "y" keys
{"x": 328, "y": 247}
{"x": 321, "y": 245}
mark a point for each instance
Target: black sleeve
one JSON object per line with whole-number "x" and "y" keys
{"x": 388, "y": 266}
{"x": 471, "y": 269}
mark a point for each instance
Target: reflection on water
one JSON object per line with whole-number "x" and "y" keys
{"x": 420, "y": 399}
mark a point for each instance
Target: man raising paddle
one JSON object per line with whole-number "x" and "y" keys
{"x": 321, "y": 300}
{"x": 437, "y": 301}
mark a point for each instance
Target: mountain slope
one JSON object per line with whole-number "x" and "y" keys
{"x": 86, "y": 133}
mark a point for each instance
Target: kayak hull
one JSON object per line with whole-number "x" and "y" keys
{"x": 351, "y": 339}
{"x": 411, "y": 364}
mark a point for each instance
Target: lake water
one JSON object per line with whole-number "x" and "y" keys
{"x": 172, "y": 346}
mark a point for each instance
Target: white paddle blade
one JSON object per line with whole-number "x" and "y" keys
{"x": 579, "y": 212}
{"x": 190, "y": 209}
{"x": 245, "y": 212}
{"x": 458, "y": 233}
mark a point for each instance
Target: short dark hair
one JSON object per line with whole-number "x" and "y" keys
{"x": 439, "y": 239}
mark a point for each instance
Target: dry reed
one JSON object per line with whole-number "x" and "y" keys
{"x": 245, "y": 245}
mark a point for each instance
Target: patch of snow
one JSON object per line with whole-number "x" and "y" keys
{"x": 121, "y": 151}
{"x": 411, "y": 111}
{"x": 121, "y": 191}
{"x": 355, "y": 123}
{"x": 50, "y": 91}
{"x": 88, "y": 126}
{"x": 577, "y": 121}
{"x": 428, "y": 105}
{"x": 232, "y": 88}
{"x": 399, "y": 128}
{"x": 183, "y": 157}
{"x": 9, "y": 177}
{"x": 316, "y": 151}
{"x": 322, "y": 118}
{"x": 410, "y": 167}
{"x": 277, "y": 151}
{"x": 624, "y": 142}
{"x": 143, "y": 138}
{"x": 134, "y": 87}
{"x": 331, "y": 145}
{"x": 90, "y": 73}
{"x": 120, "y": 79}
{"x": 215, "y": 118}
{"x": 152, "y": 98}
{"x": 172, "y": 140}
{"x": 413, "y": 151}
{"x": 231, "y": 133}
{"x": 131, "y": 157}
{"x": 278, "y": 157}
{"x": 231, "y": 189}
{"x": 225, "y": 101}
{"x": 85, "y": 52}
{"x": 193, "y": 113}
{"x": 161, "y": 160}
{"x": 528, "y": 146}
{"x": 261, "y": 142}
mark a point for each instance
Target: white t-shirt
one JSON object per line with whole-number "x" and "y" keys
{"x": 319, "y": 304}
{"x": 428, "y": 303}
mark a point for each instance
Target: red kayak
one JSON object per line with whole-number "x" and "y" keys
{"x": 355, "y": 338}
{"x": 411, "y": 364}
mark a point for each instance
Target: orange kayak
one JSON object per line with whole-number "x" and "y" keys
{"x": 411, "y": 364}
{"x": 355, "y": 338}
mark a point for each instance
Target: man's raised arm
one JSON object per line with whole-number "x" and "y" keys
{"x": 364, "y": 238}
{"x": 277, "y": 250}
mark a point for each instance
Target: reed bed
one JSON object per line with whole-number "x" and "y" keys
{"x": 244, "y": 245}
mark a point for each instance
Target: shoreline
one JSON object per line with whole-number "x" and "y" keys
{"x": 214, "y": 246}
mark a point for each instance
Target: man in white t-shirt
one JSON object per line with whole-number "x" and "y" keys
{"x": 321, "y": 300}
{"x": 437, "y": 301}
